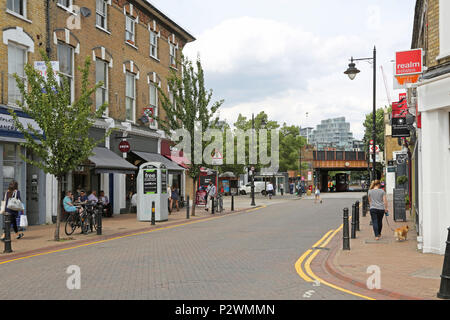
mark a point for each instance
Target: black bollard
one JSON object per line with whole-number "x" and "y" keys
{"x": 168, "y": 206}
{"x": 444, "y": 291}
{"x": 357, "y": 215}
{"x": 213, "y": 208}
{"x": 353, "y": 221}
{"x": 232, "y": 203}
{"x": 7, "y": 240}
{"x": 99, "y": 219}
{"x": 153, "y": 213}
{"x": 345, "y": 231}
{"x": 364, "y": 206}
{"x": 187, "y": 208}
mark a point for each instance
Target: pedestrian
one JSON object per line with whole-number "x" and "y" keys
{"x": 270, "y": 190}
{"x": 378, "y": 207}
{"x": 105, "y": 202}
{"x": 174, "y": 198}
{"x": 282, "y": 188}
{"x": 317, "y": 195}
{"x": 210, "y": 193}
{"x": 12, "y": 192}
{"x": 93, "y": 197}
{"x": 291, "y": 188}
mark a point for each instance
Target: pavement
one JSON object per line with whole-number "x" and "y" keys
{"x": 40, "y": 238}
{"x": 405, "y": 272}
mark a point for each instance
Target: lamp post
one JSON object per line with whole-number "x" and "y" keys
{"x": 352, "y": 71}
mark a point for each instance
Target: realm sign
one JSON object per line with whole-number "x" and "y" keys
{"x": 408, "y": 62}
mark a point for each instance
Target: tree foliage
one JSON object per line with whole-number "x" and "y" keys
{"x": 64, "y": 142}
{"x": 379, "y": 127}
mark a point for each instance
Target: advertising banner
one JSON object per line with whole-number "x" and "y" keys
{"x": 151, "y": 182}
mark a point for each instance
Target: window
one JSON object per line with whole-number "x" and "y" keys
{"x": 444, "y": 29}
{"x": 17, "y": 6}
{"x": 153, "y": 103}
{"x": 129, "y": 29}
{"x": 65, "y": 58}
{"x": 17, "y": 57}
{"x": 153, "y": 45}
{"x": 173, "y": 55}
{"x": 65, "y": 3}
{"x": 101, "y": 14}
{"x": 130, "y": 94}
{"x": 101, "y": 74}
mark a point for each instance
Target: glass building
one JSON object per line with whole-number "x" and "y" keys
{"x": 333, "y": 133}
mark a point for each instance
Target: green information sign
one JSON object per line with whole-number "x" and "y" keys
{"x": 150, "y": 181}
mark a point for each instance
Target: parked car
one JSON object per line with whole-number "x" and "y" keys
{"x": 260, "y": 187}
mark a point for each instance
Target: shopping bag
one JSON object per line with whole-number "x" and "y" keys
{"x": 15, "y": 204}
{"x": 3, "y": 206}
{"x": 23, "y": 221}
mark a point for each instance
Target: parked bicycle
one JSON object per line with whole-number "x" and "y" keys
{"x": 87, "y": 220}
{"x": 218, "y": 203}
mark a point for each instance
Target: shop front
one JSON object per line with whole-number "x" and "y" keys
{"x": 31, "y": 180}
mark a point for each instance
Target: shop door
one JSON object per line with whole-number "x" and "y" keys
{"x": 32, "y": 202}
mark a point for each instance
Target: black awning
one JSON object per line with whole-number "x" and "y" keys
{"x": 106, "y": 161}
{"x": 156, "y": 157}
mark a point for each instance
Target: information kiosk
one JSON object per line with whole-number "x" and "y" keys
{"x": 152, "y": 188}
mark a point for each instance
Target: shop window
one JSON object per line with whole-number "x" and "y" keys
{"x": 17, "y": 57}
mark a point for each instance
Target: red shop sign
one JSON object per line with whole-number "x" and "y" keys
{"x": 408, "y": 62}
{"x": 124, "y": 146}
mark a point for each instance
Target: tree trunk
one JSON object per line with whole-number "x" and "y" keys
{"x": 58, "y": 209}
{"x": 194, "y": 200}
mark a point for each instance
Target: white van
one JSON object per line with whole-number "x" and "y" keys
{"x": 260, "y": 187}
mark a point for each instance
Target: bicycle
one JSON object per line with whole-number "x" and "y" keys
{"x": 76, "y": 220}
{"x": 218, "y": 203}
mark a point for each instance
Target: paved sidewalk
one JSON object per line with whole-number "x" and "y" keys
{"x": 405, "y": 272}
{"x": 40, "y": 238}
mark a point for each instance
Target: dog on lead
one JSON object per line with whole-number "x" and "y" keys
{"x": 401, "y": 233}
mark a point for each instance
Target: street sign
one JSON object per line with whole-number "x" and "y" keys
{"x": 124, "y": 147}
{"x": 371, "y": 142}
{"x": 217, "y": 159}
{"x": 399, "y": 127}
{"x": 399, "y": 109}
{"x": 377, "y": 149}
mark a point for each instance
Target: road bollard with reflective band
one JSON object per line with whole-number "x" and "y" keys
{"x": 345, "y": 231}
{"x": 444, "y": 291}
{"x": 357, "y": 215}
{"x": 99, "y": 220}
{"x": 353, "y": 221}
{"x": 232, "y": 203}
{"x": 7, "y": 240}
{"x": 153, "y": 213}
{"x": 187, "y": 208}
{"x": 212, "y": 209}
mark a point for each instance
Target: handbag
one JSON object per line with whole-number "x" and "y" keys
{"x": 23, "y": 221}
{"x": 14, "y": 203}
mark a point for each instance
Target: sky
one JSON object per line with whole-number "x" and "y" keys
{"x": 288, "y": 57}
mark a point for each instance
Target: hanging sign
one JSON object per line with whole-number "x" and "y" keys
{"x": 124, "y": 147}
{"x": 408, "y": 62}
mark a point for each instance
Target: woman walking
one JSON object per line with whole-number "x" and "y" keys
{"x": 174, "y": 198}
{"x": 378, "y": 207}
{"x": 12, "y": 193}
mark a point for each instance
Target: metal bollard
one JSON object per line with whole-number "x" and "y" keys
{"x": 212, "y": 209}
{"x": 365, "y": 205}
{"x": 153, "y": 213}
{"x": 7, "y": 240}
{"x": 357, "y": 215}
{"x": 444, "y": 291}
{"x": 99, "y": 220}
{"x": 187, "y": 208}
{"x": 353, "y": 221}
{"x": 345, "y": 231}
{"x": 232, "y": 202}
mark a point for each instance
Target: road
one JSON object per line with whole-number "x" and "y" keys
{"x": 247, "y": 255}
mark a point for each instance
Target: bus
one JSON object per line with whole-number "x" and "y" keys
{"x": 342, "y": 182}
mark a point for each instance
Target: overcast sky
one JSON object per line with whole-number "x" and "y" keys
{"x": 287, "y": 57}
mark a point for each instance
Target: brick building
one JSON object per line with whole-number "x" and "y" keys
{"x": 133, "y": 47}
{"x": 432, "y": 154}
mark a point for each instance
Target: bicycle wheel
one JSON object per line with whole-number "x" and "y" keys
{"x": 94, "y": 218}
{"x": 71, "y": 225}
{"x": 84, "y": 224}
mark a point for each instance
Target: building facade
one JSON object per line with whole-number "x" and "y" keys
{"x": 332, "y": 133}
{"x": 133, "y": 48}
{"x": 432, "y": 153}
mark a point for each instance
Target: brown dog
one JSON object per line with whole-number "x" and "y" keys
{"x": 401, "y": 233}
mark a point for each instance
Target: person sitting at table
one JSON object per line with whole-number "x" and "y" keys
{"x": 83, "y": 197}
{"x": 68, "y": 204}
{"x": 93, "y": 196}
{"x": 106, "y": 205}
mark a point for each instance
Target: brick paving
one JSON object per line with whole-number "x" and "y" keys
{"x": 248, "y": 255}
{"x": 406, "y": 273}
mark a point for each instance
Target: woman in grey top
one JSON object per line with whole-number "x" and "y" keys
{"x": 378, "y": 207}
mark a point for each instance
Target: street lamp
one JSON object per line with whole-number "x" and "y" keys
{"x": 263, "y": 124}
{"x": 352, "y": 71}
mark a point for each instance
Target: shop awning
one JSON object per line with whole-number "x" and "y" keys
{"x": 106, "y": 161}
{"x": 181, "y": 161}
{"x": 155, "y": 157}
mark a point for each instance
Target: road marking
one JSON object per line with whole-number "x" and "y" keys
{"x": 129, "y": 235}
{"x": 312, "y": 275}
{"x": 298, "y": 264}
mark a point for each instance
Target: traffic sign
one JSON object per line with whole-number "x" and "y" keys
{"x": 377, "y": 149}
{"x": 217, "y": 159}
{"x": 124, "y": 147}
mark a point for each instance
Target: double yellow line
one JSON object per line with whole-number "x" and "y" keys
{"x": 306, "y": 259}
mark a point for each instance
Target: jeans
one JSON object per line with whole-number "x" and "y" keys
{"x": 377, "y": 221}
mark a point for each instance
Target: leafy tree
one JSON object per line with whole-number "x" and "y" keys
{"x": 290, "y": 144}
{"x": 65, "y": 142}
{"x": 190, "y": 105}
{"x": 379, "y": 127}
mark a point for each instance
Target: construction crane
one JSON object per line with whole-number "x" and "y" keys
{"x": 385, "y": 86}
